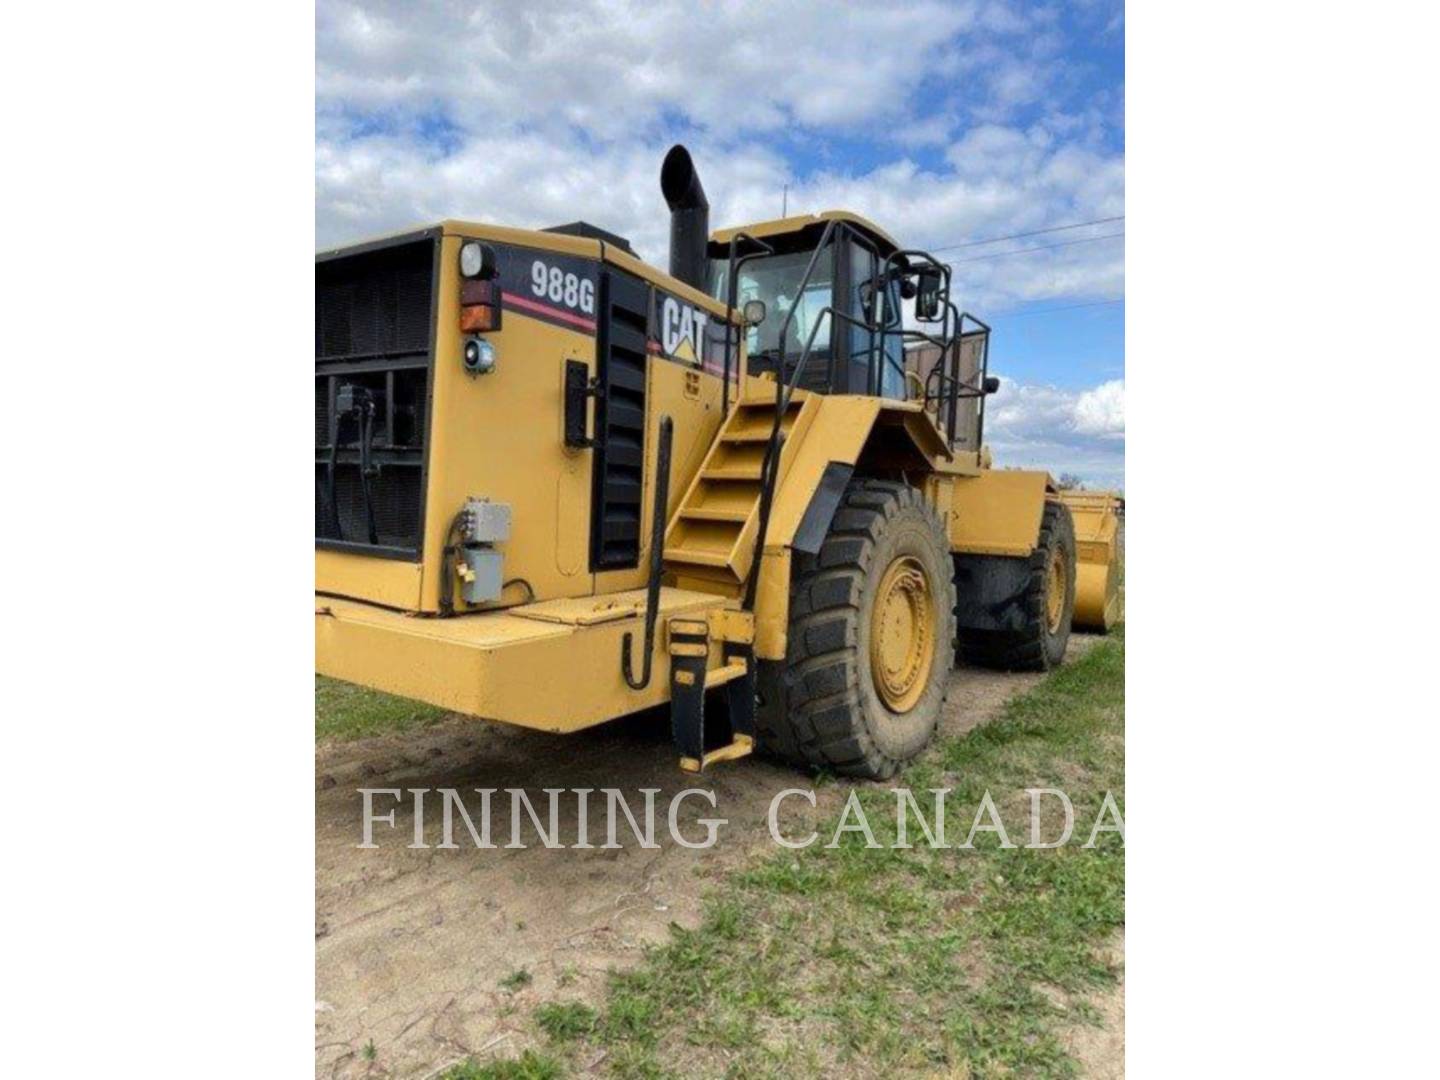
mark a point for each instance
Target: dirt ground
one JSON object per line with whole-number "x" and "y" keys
{"x": 412, "y": 945}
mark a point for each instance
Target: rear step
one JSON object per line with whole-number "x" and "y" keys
{"x": 688, "y": 643}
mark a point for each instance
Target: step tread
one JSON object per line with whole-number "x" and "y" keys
{"x": 721, "y": 675}
{"x": 732, "y": 472}
{"x": 697, "y": 556}
{"x": 753, "y": 436}
{"x": 706, "y": 513}
{"x": 743, "y": 746}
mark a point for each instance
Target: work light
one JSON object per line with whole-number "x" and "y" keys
{"x": 476, "y": 259}
{"x": 479, "y": 356}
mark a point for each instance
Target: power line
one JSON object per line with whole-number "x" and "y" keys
{"x": 1038, "y": 247}
{"x": 1051, "y": 310}
{"x": 1033, "y": 232}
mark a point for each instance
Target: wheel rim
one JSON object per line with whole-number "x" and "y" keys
{"x": 1055, "y": 591}
{"x": 902, "y": 639}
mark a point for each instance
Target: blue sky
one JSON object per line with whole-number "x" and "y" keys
{"x": 947, "y": 123}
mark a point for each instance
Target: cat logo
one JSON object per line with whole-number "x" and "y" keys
{"x": 682, "y": 330}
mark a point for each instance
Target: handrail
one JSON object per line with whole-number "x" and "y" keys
{"x": 784, "y": 392}
{"x": 731, "y": 288}
{"x": 984, "y": 373}
{"x": 950, "y": 338}
{"x": 782, "y": 403}
{"x": 658, "y": 515}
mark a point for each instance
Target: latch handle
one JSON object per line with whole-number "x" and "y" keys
{"x": 579, "y": 389}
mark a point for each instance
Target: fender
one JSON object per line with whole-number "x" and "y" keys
{"x": 835, "y": 436}
{"x": 998, "y": 512}
{"x": 994, "y": 526}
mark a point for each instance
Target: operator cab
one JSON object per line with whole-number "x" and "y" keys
{"x": 845, "y": 357}
{"x": 833, "y": 285}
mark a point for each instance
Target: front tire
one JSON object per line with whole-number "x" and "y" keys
{"x": 871, "y": 639}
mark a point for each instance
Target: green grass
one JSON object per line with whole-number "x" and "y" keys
{"x": 890, "y": 961}
{"x": 528, "y": 1066}
{"x": 344, "y": 711}
{"x": 517, "y": 980}
{"x": 566, "y": 1020}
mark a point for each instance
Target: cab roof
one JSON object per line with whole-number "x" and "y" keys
{"x": 784, "y": 226}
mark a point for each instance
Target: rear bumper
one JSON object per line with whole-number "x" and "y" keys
{"x": 554, "y": 665}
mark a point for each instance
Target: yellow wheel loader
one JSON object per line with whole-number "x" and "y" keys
{"x": 554, "y": 485}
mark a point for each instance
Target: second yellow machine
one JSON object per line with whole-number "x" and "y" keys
{"x": 554, "y": 485}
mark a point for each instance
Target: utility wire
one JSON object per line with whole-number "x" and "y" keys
{"x": 1050, "y": 310}
{"x": 1038, "y": 247}
{"x": 1033, "y": 232}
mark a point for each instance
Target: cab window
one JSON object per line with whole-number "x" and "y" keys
{"x": 775, "y": 279}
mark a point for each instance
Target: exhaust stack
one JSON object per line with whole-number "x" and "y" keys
{"x": 689, "y": 217}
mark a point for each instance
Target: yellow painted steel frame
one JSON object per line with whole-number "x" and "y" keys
{"x": 554, "y": 665}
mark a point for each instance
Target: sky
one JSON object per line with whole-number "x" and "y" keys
{"x": 947, "y": 123}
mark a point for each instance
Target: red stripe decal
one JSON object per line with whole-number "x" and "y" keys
{"x": 551, "y": 312}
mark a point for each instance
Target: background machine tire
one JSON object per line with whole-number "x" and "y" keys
{"x": 1047, "y": 605}
{"x": 872, "y": 626}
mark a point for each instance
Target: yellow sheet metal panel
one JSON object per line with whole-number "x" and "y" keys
{"x": 782, "y": 226}
{"x": 555, "y": 676}
{"x": 500, "y": 436}
{"x": 392, "y": 582}
{"x": 837, "y": 432}
{"x": 585, "y": 610}
{"x": 675, "y": 286}
{"x": 532, "y": 238}
{"x": 997, "y": 512}
{"x": 772, "y": 604}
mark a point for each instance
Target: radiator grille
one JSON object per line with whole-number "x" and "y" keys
{"x": 619, "y": 422}
{"x": 373, "y": 318}
{"x": 374, "y": 304}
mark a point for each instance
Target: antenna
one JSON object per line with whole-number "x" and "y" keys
{"x": 785, "y": 202}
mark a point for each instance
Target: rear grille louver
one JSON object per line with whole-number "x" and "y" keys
{"x": 620, "y": 352}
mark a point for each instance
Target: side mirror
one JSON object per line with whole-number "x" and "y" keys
{"x": 754, "y": 312}
{"x": 930, "y": 296}
{"x": 992, "y": 384}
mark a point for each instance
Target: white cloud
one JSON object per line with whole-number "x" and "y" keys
{"x": 545, "y": 112}
{"x": 1101, "y": 411}
{"x": 1046, "y": 427}
{"x": 615, "y": 68}
{"x": 1012, "y": 182}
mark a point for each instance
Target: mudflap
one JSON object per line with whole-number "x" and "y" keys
{"x": 990, "y": 590}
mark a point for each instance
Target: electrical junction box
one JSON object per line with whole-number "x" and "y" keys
{"x": 482, "y": 524}
{"x": 485, "y": 581}
{"x": 485, "y": 522}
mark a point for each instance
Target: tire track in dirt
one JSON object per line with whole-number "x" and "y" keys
{"x": 412, "y": 944}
